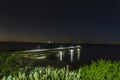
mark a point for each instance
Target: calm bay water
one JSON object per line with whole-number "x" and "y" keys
{"x": 88, "y": 52}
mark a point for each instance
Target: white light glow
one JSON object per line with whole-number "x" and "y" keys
{"x": 78, "y": 54}
{"x": 71, "y": 55}
{"x": 61, "y": 55}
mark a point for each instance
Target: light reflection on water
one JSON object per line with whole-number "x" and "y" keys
{"x": 78, "y": 56}
{"x": 70, "y": 56}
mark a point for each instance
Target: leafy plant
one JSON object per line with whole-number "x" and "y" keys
{"x": 13, "y": 66}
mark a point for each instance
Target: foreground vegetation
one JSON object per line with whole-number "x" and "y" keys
{"x": 42, "y": 73}
{"x": 101, "y": 70}
{"x": 12, "y": 69}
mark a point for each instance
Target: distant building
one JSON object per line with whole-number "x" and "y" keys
{"x": 49, "y": 42}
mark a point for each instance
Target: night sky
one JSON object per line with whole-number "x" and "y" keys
{"x": 60, "y": 21}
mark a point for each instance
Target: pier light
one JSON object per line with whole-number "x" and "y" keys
{"x": 71, "y": 50}
{"x": 78, "y": 46}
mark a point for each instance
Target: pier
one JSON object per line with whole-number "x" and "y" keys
{"x": 60, "y": 52}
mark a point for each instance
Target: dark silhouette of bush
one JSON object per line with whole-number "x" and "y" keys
{"x": 11, "y": 62}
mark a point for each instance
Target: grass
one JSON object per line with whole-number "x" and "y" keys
{"x": 42, "y": 73}
{"x": 11, "y": 69}
{"x": 100, "y": 70}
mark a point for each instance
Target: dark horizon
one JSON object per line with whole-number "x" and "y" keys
{"x": 70, "y": 42}
{"x": 60, "y": 21}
